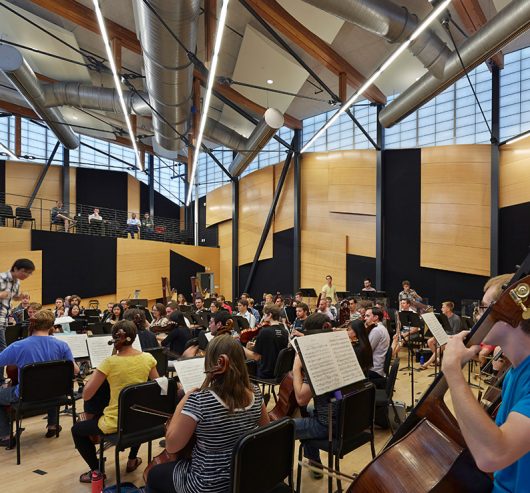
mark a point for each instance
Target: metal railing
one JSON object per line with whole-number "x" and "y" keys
{"x": 113, "y": 223}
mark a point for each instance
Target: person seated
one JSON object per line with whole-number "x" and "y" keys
{"x": 74, "y": 312}
{"x": 179, "y": 334}
{"x": 225, "y": 408}
{"x": 37, "y": 348}
{"x": 200, "y": 316}
{"x": 324, "y": 308}
{"x": 148, "y": 226}
{"x": 95, "y": 222}
{"x": 181, "y": 300}
{"x": 281, "y": 305}
{"x": 314, "y": 427}
{"x": 252, "y": 309}
{"x": 160, "y": 320}
{"x": 127, "y": 367}
{"x": 133, "y": 225}
{"x": 76, "y": 300}
{"x": 59, "y": 306}
{"x": 221, "y": 322}
{"x": 403, "y": 333}
{"x": 298, "y": 298}
{"x": 147, "y": 338}
{"x": 243, "y": 311}
{"x": 116, "y": 314}
{"x": 352, "y": 309}
{"x": 271, "y": 339}
{"x": 20, "y": 312}
{"x": 107, "y": 312}
{"x": 302, "y": 312}
{"x": 59, "y": 216}
{"x": 455, "y": 322}
{"x": 170, "y": 308}
{"x": 361, "y": 344}
{"x": 331, "y": 307}
{"x": 379, "y": 340}
{"x": 367, "y": 286}
{"x": 221, "y": 299}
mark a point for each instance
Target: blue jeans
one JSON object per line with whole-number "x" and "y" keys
{"x": 310, "y": 429}
{"x": 132, "y": 229}
{"x": 7, "y": 397}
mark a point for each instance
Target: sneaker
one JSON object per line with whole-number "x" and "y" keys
{"x": 8, "y": 443}
{"x": 316, "y": 474}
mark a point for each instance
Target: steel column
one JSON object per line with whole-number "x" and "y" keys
{"x": 65, "y": 178}
{"x": 297, "y": 259}
{"x": 495, "y": 155}
{"x": 379, "y": 219}
{"x": 235, "y": 239}
{"x": 42, "y": 176}
{"x": 151, "y": 184}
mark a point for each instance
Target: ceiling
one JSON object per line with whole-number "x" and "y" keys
{"x": 248, "y": 55}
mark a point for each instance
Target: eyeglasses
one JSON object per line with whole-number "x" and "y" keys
{"x": 481, "y": 309}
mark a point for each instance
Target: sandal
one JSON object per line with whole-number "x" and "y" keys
{"x": 53, "y": 430}
{"x": 421, "y": 368}
{"x": 87, "y": 477}
{"x": 136, "y": 464}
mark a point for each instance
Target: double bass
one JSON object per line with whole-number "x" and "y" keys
{"x": 428, "y": 452}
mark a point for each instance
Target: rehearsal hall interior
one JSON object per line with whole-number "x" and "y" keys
{"x": 265, "y": 246}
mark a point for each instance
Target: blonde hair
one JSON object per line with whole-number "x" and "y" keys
{"x": 497, "y": 283}
{"x": 42, "y": 320}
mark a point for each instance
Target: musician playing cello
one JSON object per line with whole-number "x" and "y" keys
{"x": 503, "y": 446}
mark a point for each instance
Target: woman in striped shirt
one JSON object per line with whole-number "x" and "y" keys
{"x": 225, "y": 408}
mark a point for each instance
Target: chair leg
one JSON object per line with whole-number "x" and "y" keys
{"x": 57, "y": 421}
{"x": 118, "y": 476}
{"x": 337, "y": 468}
{"x": 396, "y": 415}
{"x": 372, "y": 445}
{"x": 274, "y": 394}
{"x": 149, "y": 451}
{"x": 17, "y": 437}
{"x": 101, "y": 454}
{"x": 330, "y": 467}
{"x": 299, "y": 470}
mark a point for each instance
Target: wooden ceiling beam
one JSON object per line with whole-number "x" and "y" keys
{"x": 274, "y": 14}
{"x": 85, "y": 17}
{"x": 473, "y": 18}
{"x": 210, "y": 27}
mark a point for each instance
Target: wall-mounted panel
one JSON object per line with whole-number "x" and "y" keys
{"x": 455, "y": 208}
{"x": 224, "y": 282}
{"x": 514, "y": 184}
{"x": 284, "y": 216}
{"x": 219, "y": 205}
{"x": 255, "y": 198}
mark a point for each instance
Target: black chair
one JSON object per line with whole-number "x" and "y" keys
{"x": 136, "y": 427}
{"x": 354, "y": 427}
{"x": 383, "y": 399}
{"x": 43, "y": 386}
{"x": 284, "y": 364}
{"x": 380, "y": 383}
{"x": 275, "y": 442}
{"x": 6, "y": 212}
{"x": 23, "y": 215}
{"x": 13, "y": 333}
{"x": 160, "y": 355}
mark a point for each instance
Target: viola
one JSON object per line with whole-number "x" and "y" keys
{"x": 414, "y": 451}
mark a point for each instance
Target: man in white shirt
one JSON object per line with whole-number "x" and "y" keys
{"x": 133, "y": 225}
{"x": 323, "y": 308}
{"x": 243, "y": 311}
{"x": 379, "y": 340}
{"x": 329, "y": 290}
{"x": 95, "y": 222}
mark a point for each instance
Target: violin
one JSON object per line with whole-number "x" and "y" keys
{"x": 431, "y": 433}
{"x": 247, "y": 335}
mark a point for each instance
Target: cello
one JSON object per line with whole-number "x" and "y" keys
{"x": 428, "y": 452}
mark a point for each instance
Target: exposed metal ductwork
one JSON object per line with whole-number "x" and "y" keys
{"x": 168, "y": 70}
{"x": 221, "y": 134}
{"x": 21, "y": 75}
{"x": 272, "y": 120}
{"x": 392, "y": 22}
{"x": 507, "y": 25}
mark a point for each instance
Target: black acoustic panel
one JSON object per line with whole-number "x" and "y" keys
{"x": 401, "y": 224}
{"x": 181, "y": 269}
{"x": 275, "y": 274}
{"x": 2, "y": 181}
{"x": 208, "y": 236}
{"x": 514, "y": 236}
{"x": 75, "y": 264}
{"x": 163, "y": 206}
{"x": 358, "y": 268}
{"x": 102, "y": 188}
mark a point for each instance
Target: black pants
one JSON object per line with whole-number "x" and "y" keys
{"x": 160, "y": 479}
{"x": 82, "y": 430}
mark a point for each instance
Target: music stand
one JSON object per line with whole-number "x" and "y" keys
{"x": 410, "y": 319}
{"x": 308, "y": 293}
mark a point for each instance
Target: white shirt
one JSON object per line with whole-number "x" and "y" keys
{"x": 95, "y": 217}
{"x": 133, "y": 222}
{"x": 250, "y": 317}
{"x": 380, "y": 341}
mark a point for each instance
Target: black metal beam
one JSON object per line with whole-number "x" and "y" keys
{"x": 65, "y": 181}
{"x": 379, "y": 219}
{"x": 151, "y": 184}
{"x": 216, "y": 161}
{"x": 495, "y": 157}
{"x": 41, "y": 177}
{"x": 270, "y": 216}
{"x": 235, "y": 239}
{"x": 362, "y": 129}
{"x": 297, "y": 259}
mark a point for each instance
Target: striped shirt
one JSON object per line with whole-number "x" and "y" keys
{"x": 7, "y": 283}
{"x": 217, "y": 432}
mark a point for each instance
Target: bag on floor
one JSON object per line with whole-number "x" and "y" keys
{"x": 124, "y": 488}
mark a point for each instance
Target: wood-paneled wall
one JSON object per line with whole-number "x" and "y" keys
{"x": 225, "y": 260}
{"x": 514, "y": 186}
{"x": 133, "y": 195}
{"x": 338, "y": 197}
{"x": 219, "y": 205}
{"x": 255, "y": 197}
{"x": 21, "y": 179}
{"x": 284, "y": 216}
{"x": 455, "y": 208}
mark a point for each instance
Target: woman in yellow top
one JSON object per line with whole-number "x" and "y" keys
{"x": 127, "y": 367}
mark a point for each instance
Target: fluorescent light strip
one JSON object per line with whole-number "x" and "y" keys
{"x": 117, "y": 82}
{"x": 391, "y": 59}
{"x": 8, "y": 151}
{"x": 206, "y": 103}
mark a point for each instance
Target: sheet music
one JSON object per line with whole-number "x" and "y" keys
{"x": 190, "y": 372}
{"x": 209, "y": 336}
{"x": 436, "y": 328}
{"x": 136, "y": 344}
{"x": 76, "y": 343}
{"x": 99, "y": 349}
{"x": 330, "y": 361}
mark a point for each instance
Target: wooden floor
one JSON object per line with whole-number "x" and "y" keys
{"x": 53, "y": 465}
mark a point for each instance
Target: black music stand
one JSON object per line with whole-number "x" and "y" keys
{"x": 308, "y": 293}
{"x": 410, "y": 319}
{"x": 342, "y": 295}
